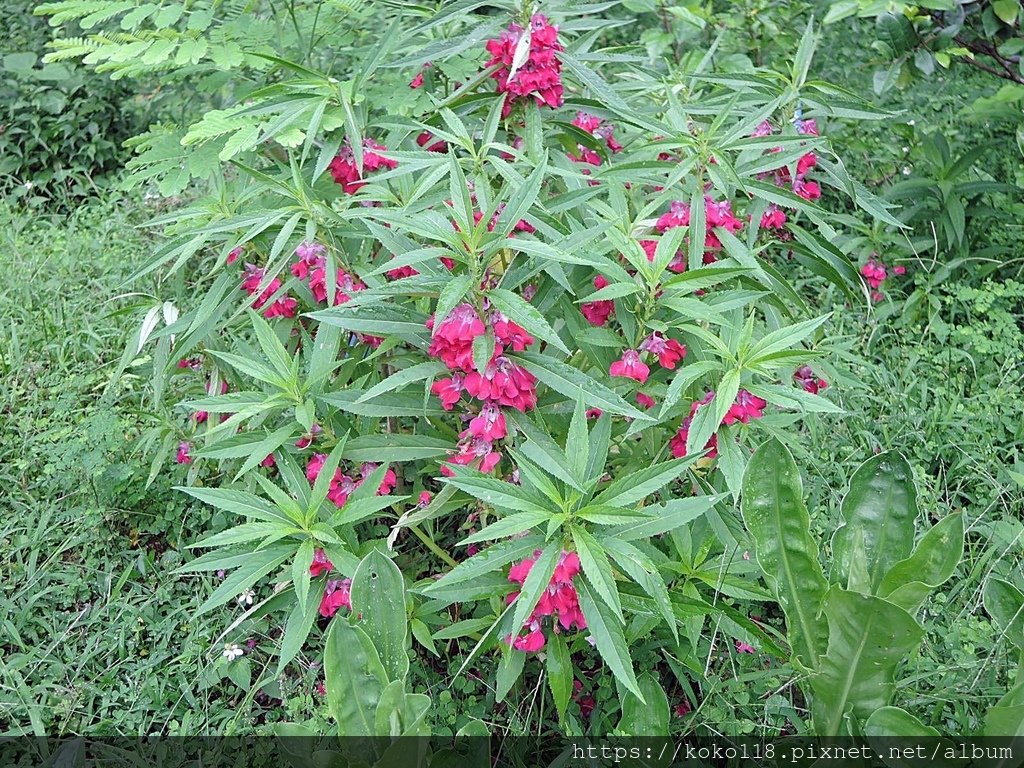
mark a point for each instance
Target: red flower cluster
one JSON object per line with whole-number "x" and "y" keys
{"x": 337, "y": 592}
{"x": 501, "y": 383}
{"x": 539, "y": 76}
{"x": 808, "y": 381}
{"x": 285, "y": 306}
{"x": 343, "y": 167}
{"x": 558, "y": 599}
{"x": 183, "y": 456}
{"x": 746, "y": 407}
{"x": 716, "y": 214}
{"x": 342, "y": 486}
{"x": 668, "y": 351}
{"x": 874, "y": 273}
{"x": 807, "y": 189}
{"x": 312, "y": 266}
{"x": 601, "y": 130}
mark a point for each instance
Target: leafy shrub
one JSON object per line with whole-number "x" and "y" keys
{"x": 512, "y": 315}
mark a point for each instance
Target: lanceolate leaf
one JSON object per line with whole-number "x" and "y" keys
{"x": 774, "y": 513}
{"x": 573, "y": 383}
{"x": 607, "y": 633}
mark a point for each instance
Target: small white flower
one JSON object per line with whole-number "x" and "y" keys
{"x": 906, "y": 170}
{"x": 246, "y": 597}
{"x": 29, "y": 185}
{"x": 232, "y": 651}
{"x": 910, "y": 122}
{"x": 906, "y": 149}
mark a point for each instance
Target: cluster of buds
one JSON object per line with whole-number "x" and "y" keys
{"x": 558, "y": 599}
{"x": 345, "y": 172}
{"x": 533, "y": 73}
{"x": 502, "y": 383}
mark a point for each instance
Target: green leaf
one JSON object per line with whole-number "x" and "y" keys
{"x": 574, "y": 384}
{"x": 893, "y": 721}
{"x": 509, "y": 526}
{"x": 607, "y": 633}
{"x": 882, "y": 502}
{"x": 258, "y": 565}
{"x": 663, "y": 518}
{"x": 510, "y": 668}
{"x": 354, "y": 678}
{"x": 544, "y": 451}
{"x": 708, "y": 417}
{"x": 597, "y": 569}
{"x": 637, "y": 486}
{"x": 521, "y": 312}
{"x": 1005, "y": 604}
{"x": 299, "y": 624}
{"x": 237, "y": 502}
{"x": 560, "y": 672}
{"x": 400, "y": 379}
{"x": 451, "y": 296}
{"x": 378, "y": 597}
{"x": 300, "y": 570}
{"x": 397, "y": 447}
{"x": 932, "y": 562}
{"x": 491, "y": 559}
{"x": 774, "y": 512}
{"x": 647, "y": 717}
{"x": 867, "y": 638}
{"x": 499, "y": 493}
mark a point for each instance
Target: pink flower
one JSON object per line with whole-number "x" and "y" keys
{"x": 594, "y": 413}
{"x": 763, "y": 129}
{"x": 773, "y": 218}
{"x": 678, "y": 216}
{"x": 530, "y": 643}
{"x": 807, "y": 127}
{"x": 472, "y": 450}
{"x": 808, "y": 190}
{"x": 874, "y": 272}
{"x": 453, "y": 341}
{"x": 344, "y": 171}
{"x": 511, "y": 335}
{"x": 195, "y": 363}
{"x": 448, "y": 390}
{"x": 321, "y": 564}
{"x": 417, "y": 82}
{"x": 269, "y": 461}
{"x": 306, "y": 440}
{"x": 336, "y": 595}
{"x": 559, "y": 601}
{"x": 593, "y": 125}
{"x": 504, "y": 382}
{"x": 808, "y": 381}
{"x": 401, "y": 272}
{"x": 424, "y": 499}
{"x": 669, "y": 351}
{"x": 630, "y": 366}
{"x": 745, "y": 408}
{"x": 183, "y": 456}
{"x": 234, "y": 254}
{"x": 489, "y": 424}
{"x": 742, "y": 647}
{"x": 646, "y": 401}
{"x": 310, "y": 255}
{"x": 598, "y": 312}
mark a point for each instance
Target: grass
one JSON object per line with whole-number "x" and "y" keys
{"x": 96, "y": 632}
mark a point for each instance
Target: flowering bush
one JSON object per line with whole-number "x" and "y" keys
{"x": 545, "y": 306}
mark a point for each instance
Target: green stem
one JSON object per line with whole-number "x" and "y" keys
{"x": 432, "y": 546}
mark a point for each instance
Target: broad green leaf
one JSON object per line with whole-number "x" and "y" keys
{"x": 932, "y": 562}
{"x": 637, "y": 486}
{"x": 649, "y": 717}
{"x": 882, "y": 503}
{"x": 378, "y": 597}
{"x": 1005, "y": 603}
{"x": 867, "y": 638}
{"x": 774, "y": 512}
{"x": 560, "y": 672}
{"x": 354, "y": 678}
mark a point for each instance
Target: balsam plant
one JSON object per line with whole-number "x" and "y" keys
{"x": 849, "y": 631}
{"x": 516, "y": 329}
